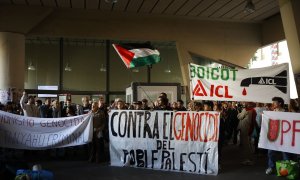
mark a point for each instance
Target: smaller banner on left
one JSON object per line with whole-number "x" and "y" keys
{"x": 31, "y": 133}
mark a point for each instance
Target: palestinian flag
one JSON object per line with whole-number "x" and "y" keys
{"x": 136, "y": 55}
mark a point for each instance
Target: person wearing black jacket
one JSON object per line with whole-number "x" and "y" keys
{"x": 162, "y": 104}
{"x": 233, "y": 122}
{"x": 180, "y": 106}
{"x": 145, "y": 104}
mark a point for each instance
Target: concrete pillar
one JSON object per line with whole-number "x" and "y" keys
{"x": 12, "y": 62}
{"x": 290, "y": 17}
{"x": 184, "y": 60}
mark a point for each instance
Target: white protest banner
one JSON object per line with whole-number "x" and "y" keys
{"x": 183, "y": 141}
{"x": 223, "y": 84}
{"x": 280, "y": 131}
{"x": 31, "y": 133}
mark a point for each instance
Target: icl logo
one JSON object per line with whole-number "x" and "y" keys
{"x": 279, "y": 82}
{"x": 199, "y": 90}
{"x": 267, "y": 81}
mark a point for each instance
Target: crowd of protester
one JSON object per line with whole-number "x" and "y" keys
{"x": 240, "y": 122}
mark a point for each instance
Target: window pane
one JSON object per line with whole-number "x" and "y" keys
{"x": 84, "y": 65}
{"x": 168, "y": 69}
{"x": 76, "y": 99}
{"x": 42, "y": 62}
{"x": 112, "y": 97}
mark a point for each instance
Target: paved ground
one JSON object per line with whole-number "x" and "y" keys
{"x": 75, "y": 167}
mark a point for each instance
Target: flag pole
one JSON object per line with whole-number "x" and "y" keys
{"x": 140, "y": 86}
{"x": 149, "y": 67}
{"x": 146, "y": 94}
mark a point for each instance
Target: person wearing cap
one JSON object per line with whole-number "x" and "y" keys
{"x": 29, "y": 108}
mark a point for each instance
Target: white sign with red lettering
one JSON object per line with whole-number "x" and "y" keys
{"x": 280, "y": 131}
{"x": 182, "y": 141}
{"x": 224, "y": 84}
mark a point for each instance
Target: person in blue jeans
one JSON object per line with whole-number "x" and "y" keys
{"x": 271, "y": 161}
{"x": 278, "y": 104}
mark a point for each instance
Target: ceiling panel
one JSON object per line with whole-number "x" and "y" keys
{"x": 257, "y": 5}
{"x": 267, "y": 14}
{"x": 175, "y": 6}
{"x": 200, "y": 8}
{"x": 261, "y": 10}
{"x": 134, "y": 5}
{"x": 227, "y": 8}
{"x": 63, "y": 3}
{"x": 104, "y": 6}
{"x": 188, "y": 7}
{"x": 34, "y": 2}
{"x": 78, "y": 3}
{"x": 237, "y": 9}
{"x": 161, "y": 6}
{"x": 140, "y": 6}
{"x": 121, "y": 5}
{"x": 5, "y": 2}
{"x": 19, "y": 2}
{"x": 214, "y": 8}
{"x": 209, "y": 9}
{"x": 49, "y": 3}
{"x": 92, "y": 4}
{"x": 147, "y": 6}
